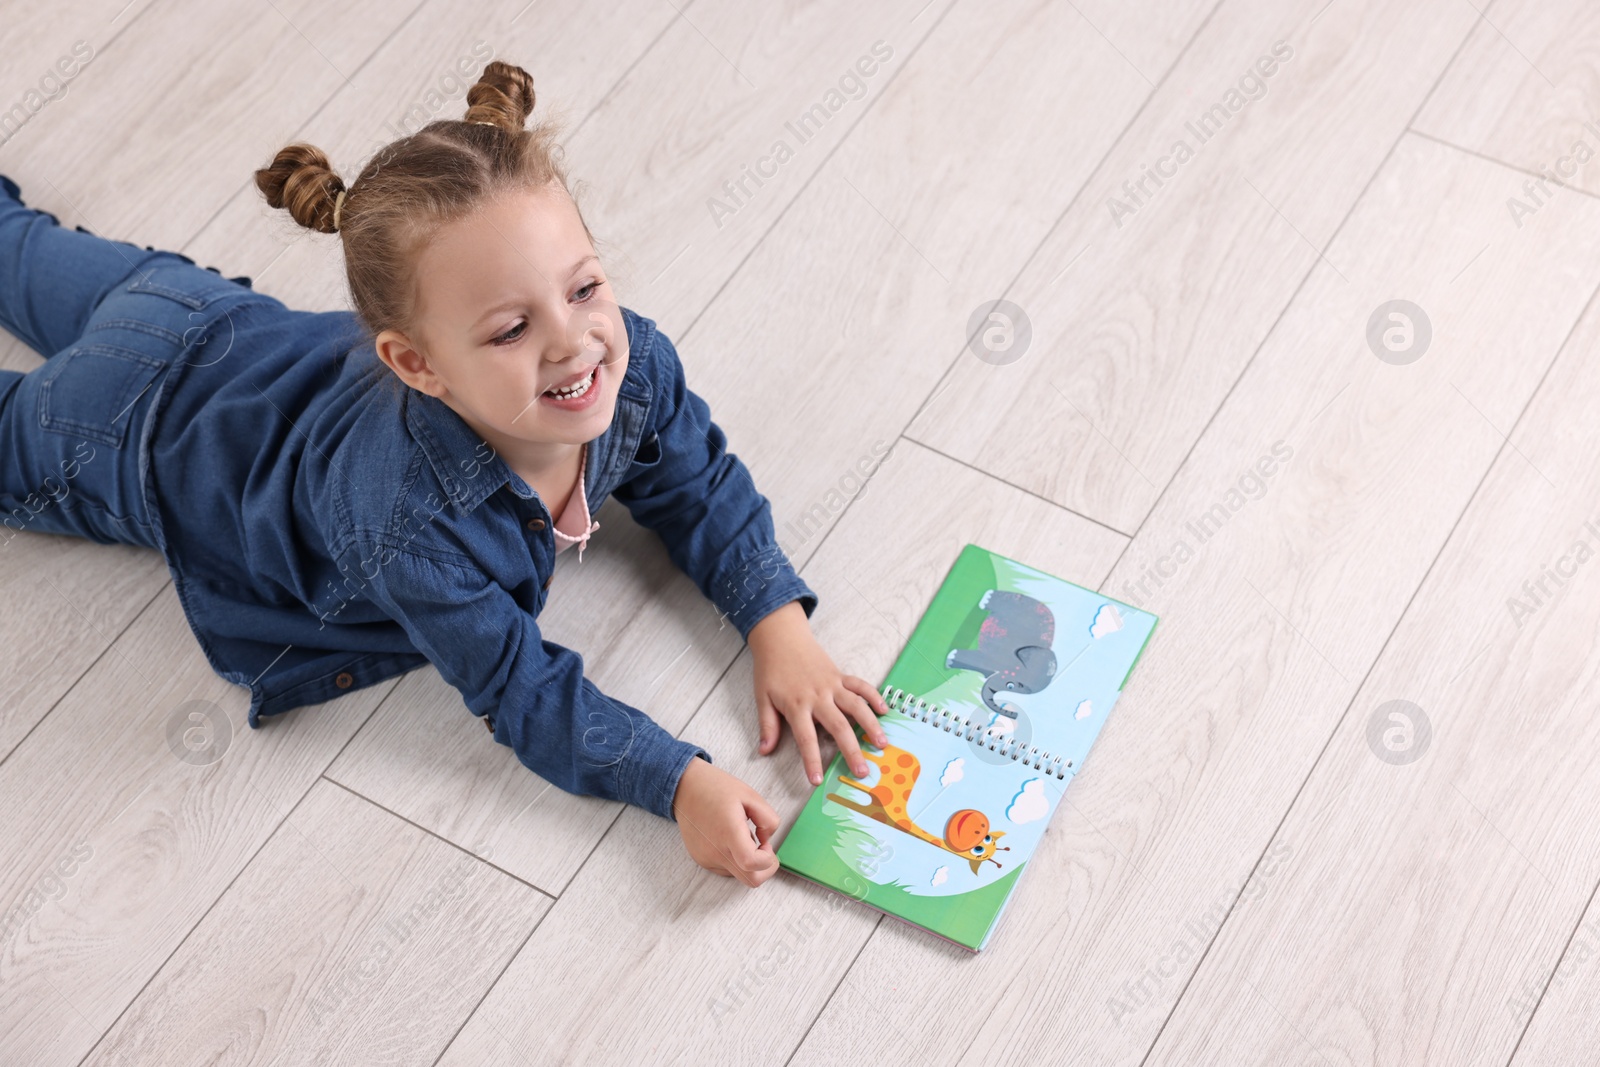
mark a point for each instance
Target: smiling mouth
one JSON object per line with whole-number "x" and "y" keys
{"x": 573, "y": 389}
{"x": 578, "y": 389}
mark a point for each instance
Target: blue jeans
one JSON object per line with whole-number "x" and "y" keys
{"x": 111, "y": 320}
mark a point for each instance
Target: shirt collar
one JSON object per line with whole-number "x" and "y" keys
{"x": 467, "y": 469}
{"x": 470, "y": 472}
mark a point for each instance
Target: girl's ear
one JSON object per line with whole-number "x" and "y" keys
{"x": 409, "y": 365}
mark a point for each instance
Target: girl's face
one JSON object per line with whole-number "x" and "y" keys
{"x": 513, "y": 304}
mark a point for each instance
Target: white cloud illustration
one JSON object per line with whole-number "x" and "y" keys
{"x": 940, "y": 876}
{"x": 1029, "y": 805}
{"x": 1106, "y": 621}
{"x": 1085, "y": 710}
{"x": 952, "y": 772}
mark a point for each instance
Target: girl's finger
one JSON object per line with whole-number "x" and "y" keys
{"x": 763, "y": 815}
{"x": 746, "y": 864}
{"x": 805, "y": 739}
{"x": 770, "y": 721}
{"x": 853, "y": 704}
{"x": 874, "y": 698}
{"x": 838, "y": 724}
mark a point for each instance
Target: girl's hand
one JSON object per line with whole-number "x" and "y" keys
{"x": 712, "y": 807}
{"x": 796, "y": 679}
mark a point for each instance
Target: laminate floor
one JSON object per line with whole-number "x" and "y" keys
{"x": 1338, "y": 815}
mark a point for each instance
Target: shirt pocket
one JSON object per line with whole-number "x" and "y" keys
{"x": 88, "y": 391}
{"x": 647, "y": 456}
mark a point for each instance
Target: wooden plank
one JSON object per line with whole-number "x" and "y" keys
{"x": 1142, "y": 322}
{"x": 155, "y": 99}
{"x": 66, "y": 600}
{"x": 1427, "y": 901}
{"x": 1280, "y": 600}
{"x": 857, "y": 355}
{"x": 976, "y": 215}
{"x": 48, "y": 49}
{"x": 1521, "y": 92}
{"x": 351, "y": 937}
{"x": 117, "y": 846}
{"x": 727, "y": 84}
{"x": 700, "y": 968}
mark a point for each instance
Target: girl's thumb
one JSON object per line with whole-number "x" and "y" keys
{"x": 762, "y": 814}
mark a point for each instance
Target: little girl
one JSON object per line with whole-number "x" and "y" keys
{"x": 341, "y": 498}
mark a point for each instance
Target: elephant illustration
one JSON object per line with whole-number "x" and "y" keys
{"x": 1013, "y": 652}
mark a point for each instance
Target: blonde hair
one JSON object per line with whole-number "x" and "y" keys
{"x": 412, "y": 186}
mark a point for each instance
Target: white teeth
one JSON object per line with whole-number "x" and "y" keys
{"x": 573, "y": 392}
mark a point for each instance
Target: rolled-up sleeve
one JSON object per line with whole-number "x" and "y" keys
{"x": 559, "y": 724}
{"x": 702, "y": 502}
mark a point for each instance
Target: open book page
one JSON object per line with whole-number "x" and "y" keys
{"x": 1004, "y": 685}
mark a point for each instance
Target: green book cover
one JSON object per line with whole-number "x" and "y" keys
{"x": 995, "y": 702}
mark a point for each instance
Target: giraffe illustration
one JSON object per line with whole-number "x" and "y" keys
{"x": 966, "y": 833}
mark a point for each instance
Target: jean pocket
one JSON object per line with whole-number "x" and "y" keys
{"x": 187, "y": 284}
{"x": 89, "y": 390}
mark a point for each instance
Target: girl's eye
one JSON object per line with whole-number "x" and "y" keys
{"x": 511, "y": 334}
{"x": 584, "y": 293}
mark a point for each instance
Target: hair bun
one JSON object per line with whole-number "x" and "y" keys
{"x": 300, "y": 178}
{"x": 503, "y": 96}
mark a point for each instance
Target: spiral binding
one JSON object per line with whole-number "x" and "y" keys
{"x": 917, "y": 708}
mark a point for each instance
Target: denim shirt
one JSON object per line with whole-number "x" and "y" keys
{"x": 328, "y": 528}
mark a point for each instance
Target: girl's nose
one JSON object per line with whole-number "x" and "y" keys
{"x": 590, "y": 336}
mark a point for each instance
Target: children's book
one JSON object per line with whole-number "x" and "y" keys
{"x": 994, "y": 703}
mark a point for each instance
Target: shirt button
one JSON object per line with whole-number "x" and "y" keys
{"x": 344, "y": 681}
{"x": 535, "y": 525}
